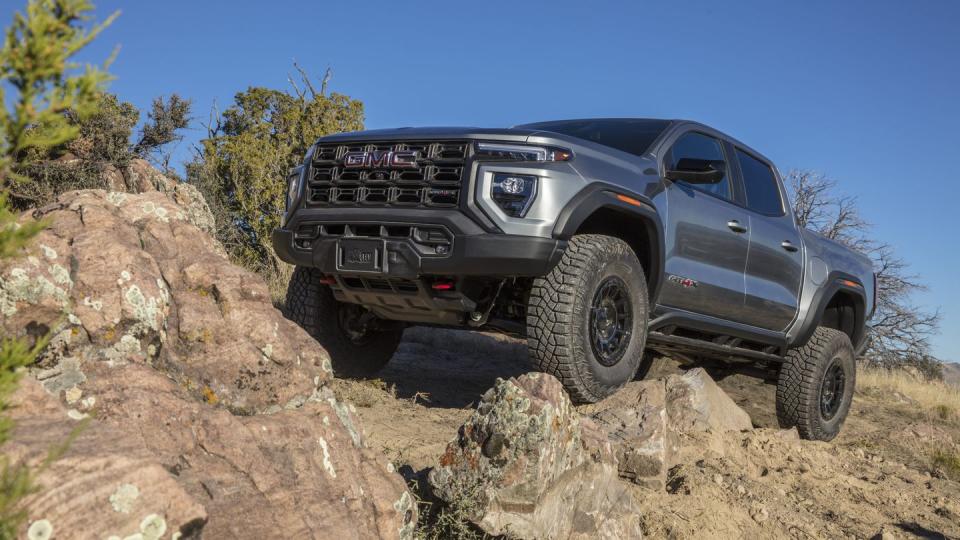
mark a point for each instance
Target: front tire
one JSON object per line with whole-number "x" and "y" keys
{"x": 815, "y": 385}
{"x": 587, "y": 318}
{"x": 359, "y": 344}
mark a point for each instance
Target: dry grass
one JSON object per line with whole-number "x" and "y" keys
{"x": 935, "y": 397}
{"x": 948, "y": 463}
{"x": 277, "y": 283}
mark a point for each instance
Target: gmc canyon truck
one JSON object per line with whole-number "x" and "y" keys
{"x": 595, "y": 239}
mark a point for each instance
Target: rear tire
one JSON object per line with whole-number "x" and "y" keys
{"x": 358, "y": 343}
{"x": 587, "y": 318}
{"x": 815, "y": 385}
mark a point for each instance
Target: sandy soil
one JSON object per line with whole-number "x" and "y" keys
{"x": 877, "y": 477}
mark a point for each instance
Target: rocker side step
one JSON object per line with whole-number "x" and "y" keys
{"x": 659, "y": 340}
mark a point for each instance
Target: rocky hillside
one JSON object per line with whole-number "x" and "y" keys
{"x": 193, "y": 409}
{"x": 894, "y": 471}
{"x": 196, "y": 406}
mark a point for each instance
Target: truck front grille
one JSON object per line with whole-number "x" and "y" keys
{"x": 435, "y": 181}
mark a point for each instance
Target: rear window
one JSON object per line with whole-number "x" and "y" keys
{"x": 760, "y": 184}
{"x": 631, "y": 135}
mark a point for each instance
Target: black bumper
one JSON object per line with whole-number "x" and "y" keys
{"x": 470, "y": 253}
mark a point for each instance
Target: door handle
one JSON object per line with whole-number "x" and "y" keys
{"x": 789, "y": 246}
{"x": 736, "y": 227}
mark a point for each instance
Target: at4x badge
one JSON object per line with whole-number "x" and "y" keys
{"x": 684, "y": 282}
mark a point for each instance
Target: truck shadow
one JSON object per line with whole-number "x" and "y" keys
{"x": 452, "y": 368}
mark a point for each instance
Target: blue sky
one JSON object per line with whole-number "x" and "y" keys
{"x": 864, "y": 91}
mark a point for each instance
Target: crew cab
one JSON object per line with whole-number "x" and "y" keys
{"x": 598, "y": 240}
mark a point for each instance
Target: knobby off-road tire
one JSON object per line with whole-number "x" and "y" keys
{"x": 563, "y": 320}
{"x": 807, "y": 392}
{"x": 311, "y": 305}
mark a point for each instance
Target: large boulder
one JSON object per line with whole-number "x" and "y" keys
{"x": 105, "y": 484}
{"x": 696, "y": 404}
{"x": 217, "y": 405}
{"x": 527, "y": 464}
{"x": 636, "y": 423}
{"x": 653, "y": 425}
{"x": 118, "y": 277}
{"x": 296, "y": 473}
{"x": 525, "y": 458}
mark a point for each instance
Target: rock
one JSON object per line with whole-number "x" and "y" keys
{"x": 120, "y": 277}
{"x": 113, "y": 178}
{"x": 105, "y": 483}
{"x": 204, "y": 406}
{"x": 523, "y": 459}
{"x": 759, "y": 514}
{"x": 635, "y": 421}
{"x": 143, "y": 177}
{"x": 587, "y": 502}
{"x": 646, "y": 420}
{"x": 293, "y": 474}
{"x": 139, "y": 176}
{"x": 790, "y": 434}
{"x": 696, "y": 404}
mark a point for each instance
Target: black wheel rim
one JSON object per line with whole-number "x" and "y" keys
{"x": 832, "y": 389}
{"x": 611, "y": 321}
{"x": 356, "y": 323}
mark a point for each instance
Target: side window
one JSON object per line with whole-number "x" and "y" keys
{"x": 760, "y": 184}
{"x": 699, "y": 146}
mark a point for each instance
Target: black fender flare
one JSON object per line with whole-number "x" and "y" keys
{"x": 836, "y": 282}
{"x": 602, "y": 195}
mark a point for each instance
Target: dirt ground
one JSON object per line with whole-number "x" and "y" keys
{"x": 877, "y": 479}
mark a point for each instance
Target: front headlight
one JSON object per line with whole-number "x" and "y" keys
{"x": 521, "y": 152}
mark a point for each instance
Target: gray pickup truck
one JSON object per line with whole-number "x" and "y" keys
{"x": 598, "y": 240}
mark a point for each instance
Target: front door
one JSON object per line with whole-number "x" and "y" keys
{"x": 707, "y": 236}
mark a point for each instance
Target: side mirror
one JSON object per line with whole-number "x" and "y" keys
{"x": 698, "y": 171}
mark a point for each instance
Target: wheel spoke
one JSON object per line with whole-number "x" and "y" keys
{"x": 611, "y": 320}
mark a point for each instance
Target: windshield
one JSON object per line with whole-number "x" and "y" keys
{"x": 632, "y": 135}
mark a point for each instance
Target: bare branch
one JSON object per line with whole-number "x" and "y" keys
{"x": 326, "y": 79}
{"x": 899, "y": 333}
{"x": 306, "y": 80}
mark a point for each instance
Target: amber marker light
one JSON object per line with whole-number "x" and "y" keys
{"x": 629, "y": 200}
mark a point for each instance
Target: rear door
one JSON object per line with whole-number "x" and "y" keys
{"x": 707, "y": 235}
{"x": 775, "y": 263}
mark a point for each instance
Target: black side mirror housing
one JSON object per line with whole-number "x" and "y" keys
{"x": 698, "y": 171}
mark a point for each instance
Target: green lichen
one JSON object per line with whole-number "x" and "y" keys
{"x": 60, "y": 275}
{"x": 41, "y": 529}
{"x": 116, "y": 198}
{"x": 123, "y": 499}
{"x": 48, "y": 252}
{"x": 147, "y": 311}
{"x": 405, "y": 509}
{"x": 21, "y": 286}
{"x": 153, "y": 527}
{"x": 96, "y": 305}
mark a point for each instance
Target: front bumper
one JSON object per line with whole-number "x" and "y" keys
{"x": 470, "y": 251}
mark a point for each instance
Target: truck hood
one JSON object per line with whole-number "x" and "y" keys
{"x": 419, "y": 133}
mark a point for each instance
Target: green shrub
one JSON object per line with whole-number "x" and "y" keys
{"x": 243, "y": 164}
